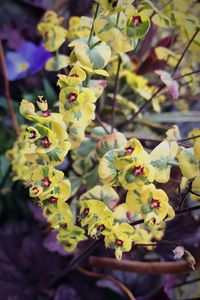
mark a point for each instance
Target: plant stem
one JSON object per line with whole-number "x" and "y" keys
{"x": 177, "y": 212}
{"x": 92, "y": 28}
{"x": 141, "y": 267}
{"x": 163, "y": 86}
{"x": 189, "y": 138}
{"x": 7, "y": 91}
{"x": 115, "y": 94}
{"x": 101, "y": 123}
{"x": 184, "y": 52}
{"x": 75, "y": 261}
{"x": 110, "y": 278}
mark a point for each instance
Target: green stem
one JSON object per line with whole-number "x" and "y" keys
{"x": 117, "y": 20}
{"x": 92, "y": 28}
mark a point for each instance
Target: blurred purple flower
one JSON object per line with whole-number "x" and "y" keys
{"x": 27, "y": 59}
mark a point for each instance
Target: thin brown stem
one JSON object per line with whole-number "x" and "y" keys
{"x": 101, "y": 123}
{"x": 184, "y": 52}
{"x": 7, "y": 90}
{"x": 163, "y": 86}
{"x": 119, "y": 284}
{"x": 187, "y": 74}
{"x": 189, "y": 138}
{"x": 115, "y": 94}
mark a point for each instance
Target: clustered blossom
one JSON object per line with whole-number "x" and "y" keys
{"x": 123, "y": 163}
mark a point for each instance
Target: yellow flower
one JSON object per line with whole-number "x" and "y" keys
{"x": 75, "y": 77}
{"x": 120, "y": 239}
{"x": 190, "y": 167}
{"x": 79, "y": 27}
{"x": 53, "y": 34}
{"x": 76, "y": 104}
{"x": 70, "y": 236}
{"x": 96, "y": 215}
{"x": 92, "y": 59}
{"x": 114, "y": 6}
{"x": 43, "y": 180}
{"x": 151, "y": 203}
{"x": 162, "y": 158}
{"x": 136, "y": 174}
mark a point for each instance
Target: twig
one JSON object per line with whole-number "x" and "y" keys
{"x": 177, "y": 212}
{"x": 184, "y": 52}
{"x": 7, "y": 90}
{"x": 183, "y": 199}
{"x": 75, "y": 261}
{"x": 115, "y": 94}
{"x": 163, "y": 86}
{"x": 141, "y": 267}
{"x": 101, "y": 123}
{"x": 110, "y": 278}
{"x": 189, "y": 138}
{"x": 187, "y": 74}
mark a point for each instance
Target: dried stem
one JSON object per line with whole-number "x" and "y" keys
{"x": 119, "y": 284}
{"x": 115, "y": 94}
{"x": 7, "y": 90}
{"x": 141, "y": 267}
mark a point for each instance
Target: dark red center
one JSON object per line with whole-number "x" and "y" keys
{"x": 64, "y": 225}
{"x": 155, "y": 203}
{"x": 119, "y": 242}
{"x": 138, "y": 171}
{"x": 46, "y": 182}
{"x": 46, "y": 113}
{"x": 74, "y": 75}
{"x": 36, "y": 189}
{"x": 101, "y": 227}
{"x": 53, "y": 200}
{"x": 129, "y": 150}
{"x": 33, "y": 134}
{"x": 85, "y": 212}
{"x": 72, "y": 97}
{"x": 45, "y": 142}
{"x": 136, "y": 20}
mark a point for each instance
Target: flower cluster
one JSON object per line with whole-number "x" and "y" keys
{"x": 96, "y": 45}
{"x": 39, "y": 149}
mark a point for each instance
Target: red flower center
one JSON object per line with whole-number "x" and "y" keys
{"x": 155, "y": 203}
{"x": 74, "y": 75}
{"x": 138, "y": 171}
{"x": 46, "y": 113}
{"x": 129, "y": 150}
{"x": 101, "y": 227}
{"x": 53, "y": 200}
{"x": 136, "y": 20}
{"x": 45, "y": 142}
{"x": 35, "y": 190}
{"x": 33, "y": 134}
{"x": 85, "y": 212}
{"x": 46, "y": 182}
{"x": 119, "y": 242}
{"x": 72, "y": 97}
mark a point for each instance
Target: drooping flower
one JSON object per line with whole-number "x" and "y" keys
{"x": 52, "y": 32}
{"x": 120, "y": 239}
